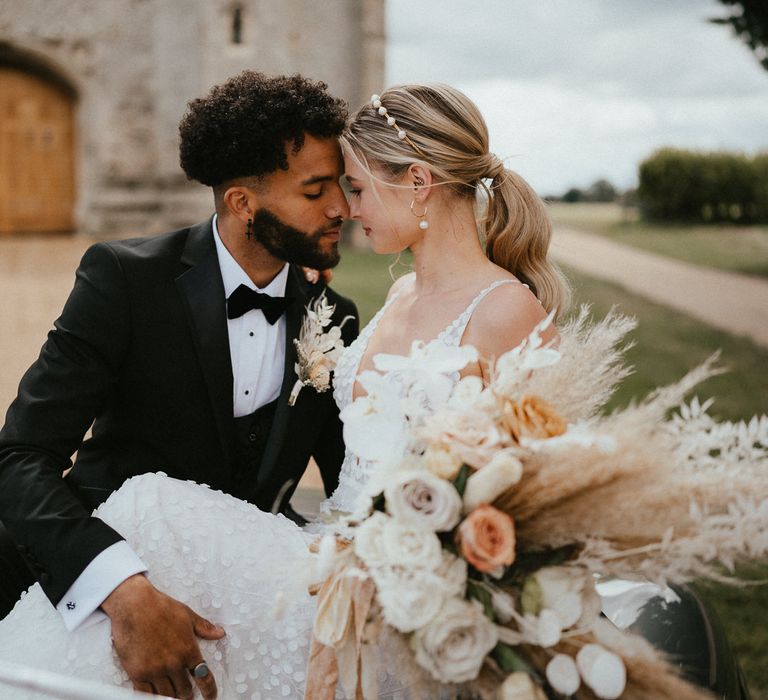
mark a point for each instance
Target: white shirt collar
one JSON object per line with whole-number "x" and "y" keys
{"x": 233, "y": 275}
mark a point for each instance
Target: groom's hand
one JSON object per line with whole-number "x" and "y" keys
{"x": 155, "y": 638}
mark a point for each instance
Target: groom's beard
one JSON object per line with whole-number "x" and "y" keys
{"x": 294, "y": 245}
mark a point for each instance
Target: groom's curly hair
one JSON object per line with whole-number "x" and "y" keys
{"x": 241, "y": 127}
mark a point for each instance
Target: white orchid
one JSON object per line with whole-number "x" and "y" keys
{"x": 568, "y": 591}
{"x": 512, "y": 367}
{"x": 375, "y": 428}
{"x": 426, "y": 375}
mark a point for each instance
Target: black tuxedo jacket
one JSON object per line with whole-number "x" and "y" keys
{"x": 141, "y": 353}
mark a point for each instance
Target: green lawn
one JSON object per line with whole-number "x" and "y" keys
{"x": 667, "y": 345}
{"x": 736, "y": 248}
{"x": 366, "y": 278}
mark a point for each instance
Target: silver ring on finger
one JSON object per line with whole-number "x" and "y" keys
{"x": 201, "y": 670}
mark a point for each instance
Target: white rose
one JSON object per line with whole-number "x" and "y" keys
{"x": 408, "y": 600}
{"x": 568, "y": 590}
{"x": 424, "y": 501}
{"x": 520, "y": 686}
{"x": 368, "y": 540}
{"x": 602, "y": 670}
{"x": 441, "y": 462}
{"x": 410, "y": 547}
{"x": 453, "y": 646}
{"x": 489, "y": 482}
{"x": 563, "y": 675}
{"x": 452, "y": 575}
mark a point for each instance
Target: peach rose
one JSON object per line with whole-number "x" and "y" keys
{"x": 531, "y": 417}
{"x": 486, "y": 539}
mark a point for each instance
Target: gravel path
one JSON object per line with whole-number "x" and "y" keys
{"x": 726, "y": 300}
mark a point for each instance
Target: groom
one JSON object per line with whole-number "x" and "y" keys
{"x": 179, "y": 350}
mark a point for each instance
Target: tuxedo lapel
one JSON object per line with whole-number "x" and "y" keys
{"x": 299, "y": 291}
{"x": 202, "y": 291}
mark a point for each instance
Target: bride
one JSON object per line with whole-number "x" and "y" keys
{"x": 421, "y": 178}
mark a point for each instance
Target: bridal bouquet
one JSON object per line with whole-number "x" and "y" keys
{"x": 494, "y": 506}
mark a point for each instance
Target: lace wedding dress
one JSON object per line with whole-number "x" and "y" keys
{"x": 224, "y": 558}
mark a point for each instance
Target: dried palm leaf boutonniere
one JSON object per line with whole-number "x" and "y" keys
{"x": 318, "y": 349}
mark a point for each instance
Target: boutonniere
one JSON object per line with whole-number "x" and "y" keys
{"x": 318, "y": 349}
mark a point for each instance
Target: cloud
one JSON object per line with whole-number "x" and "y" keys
{"x": 581, "y": 89}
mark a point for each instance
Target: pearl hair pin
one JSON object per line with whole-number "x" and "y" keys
{"x": 382, "y": 110}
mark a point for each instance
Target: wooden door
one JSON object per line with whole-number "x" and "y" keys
{"x": 37, "y": 179}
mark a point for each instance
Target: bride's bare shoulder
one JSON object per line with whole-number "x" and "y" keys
{"x": 401, "y": 283}
{"x": 503, "y": 319}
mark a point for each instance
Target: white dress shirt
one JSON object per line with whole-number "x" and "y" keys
{"x": 256, "y": 347}
{"x": 257, "y": 351}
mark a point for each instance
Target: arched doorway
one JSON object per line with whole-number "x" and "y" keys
{"x": 37, "y": 173}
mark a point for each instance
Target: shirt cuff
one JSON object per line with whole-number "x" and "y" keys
{"x": 107, "y": 570}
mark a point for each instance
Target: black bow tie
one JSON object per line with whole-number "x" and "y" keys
{"x": 243, "y": 299}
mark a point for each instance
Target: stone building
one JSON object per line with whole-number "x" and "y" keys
{"x": 91, "y": 93}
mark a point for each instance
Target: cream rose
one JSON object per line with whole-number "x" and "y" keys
{"x": 489, "y": 482}
{"x": 470, "y": 434}
{"x": 465, "y": 392}
{"x": 423, "y": 500}
{"x": 441, "y": 462}
{"x": 487, "y": 539}
{"x": 453, "y": 646}
{"x": 520, "y": 686}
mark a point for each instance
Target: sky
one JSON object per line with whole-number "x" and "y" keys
{"x": 577, "y": 90}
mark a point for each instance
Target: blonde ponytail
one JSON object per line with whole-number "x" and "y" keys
{"x": 518, "y": 232}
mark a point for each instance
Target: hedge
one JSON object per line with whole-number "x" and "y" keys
{"x": 691, "y": 186}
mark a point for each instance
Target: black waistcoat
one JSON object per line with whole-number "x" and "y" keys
{"x": 251, "y": 436}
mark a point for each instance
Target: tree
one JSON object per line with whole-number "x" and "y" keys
{"x": 601, "y": 191}
{"x": 574, "y": 195}
{"x": 749, "y": 21}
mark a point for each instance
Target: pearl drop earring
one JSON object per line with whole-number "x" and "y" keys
{"x": 423, "y": 224}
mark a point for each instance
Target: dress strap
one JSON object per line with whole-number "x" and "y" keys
{"x": 453, "y": 334}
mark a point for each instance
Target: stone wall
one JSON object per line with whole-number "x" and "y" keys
{"x": 133, "y": 65}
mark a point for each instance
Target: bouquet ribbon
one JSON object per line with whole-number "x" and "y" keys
{"x": 339, "y": 651}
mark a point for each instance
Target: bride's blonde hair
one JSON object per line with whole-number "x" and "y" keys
{"x": 445, "y": 130}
